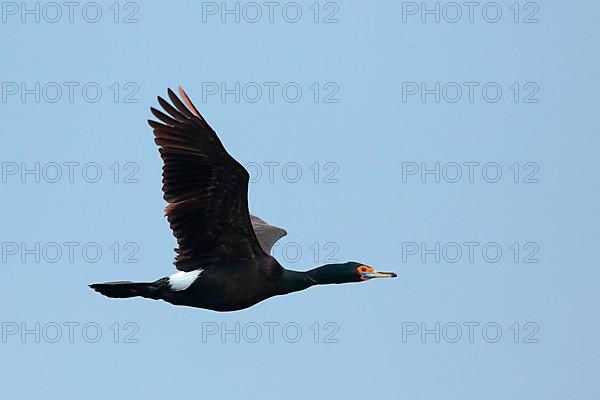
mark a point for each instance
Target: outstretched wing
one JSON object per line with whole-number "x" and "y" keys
{"x": 266, "y": 234}
{"x": 207, "y": 190}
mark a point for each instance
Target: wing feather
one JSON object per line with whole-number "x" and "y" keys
{"x": 266, "y": 234}
{"x": 205, "y": 188}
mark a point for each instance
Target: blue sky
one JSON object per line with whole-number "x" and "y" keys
{"x": 460, "y": 154}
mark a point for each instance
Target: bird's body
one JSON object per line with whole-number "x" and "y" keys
{"x": 221, "y": 287}
{"x": 223, "y": 256}
{"x": 229, "y": 287}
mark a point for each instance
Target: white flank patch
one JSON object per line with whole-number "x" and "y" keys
{"x": 182, "y": 280}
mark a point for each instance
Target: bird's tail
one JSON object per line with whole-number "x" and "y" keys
{"x": 125, "y": 289}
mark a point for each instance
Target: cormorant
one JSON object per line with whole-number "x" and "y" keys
{"x": 223, "y": 253}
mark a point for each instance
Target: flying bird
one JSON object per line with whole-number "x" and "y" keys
{"x": 223, "y": 255}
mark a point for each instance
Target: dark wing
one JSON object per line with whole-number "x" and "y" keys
{"x": 207, "y": 190}
{"x": 266, "y": 234}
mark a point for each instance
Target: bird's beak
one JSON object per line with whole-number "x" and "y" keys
{"x": 376, "y": 274}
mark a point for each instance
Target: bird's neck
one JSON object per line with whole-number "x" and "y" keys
{"x": 299, "y": 280}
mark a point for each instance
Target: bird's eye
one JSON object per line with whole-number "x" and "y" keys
{"x": 362, "y": 269}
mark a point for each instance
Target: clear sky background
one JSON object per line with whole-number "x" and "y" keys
{"x": 360, "y": 134}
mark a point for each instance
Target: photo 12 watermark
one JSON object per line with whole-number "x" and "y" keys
{"x": 290, "y": 92}
{"x": 470, "y": 172}
{"x": 310, "y": 253}
{"x": 270, "y": 332}
{"x": 470, "y": 332}
{"x": 68, "y": 332}
{"x": 69, "y": 252}
{"x": 68, "y": 92}
{"x": 470, "y": 12}
{"x": 69, "y": 12}
{"x": 56, "y": 172}
{"x": 293, "y": 172}
{"x": 471, "y": 252}
{"x": 270, "y": 12}
{"x": 470, "y": 92}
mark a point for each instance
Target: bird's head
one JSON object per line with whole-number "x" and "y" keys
{"x": 364, "y": 272}
{"x": 347, "y": 272}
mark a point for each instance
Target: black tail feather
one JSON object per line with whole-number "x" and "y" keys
{"x": 127, "y": 289}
